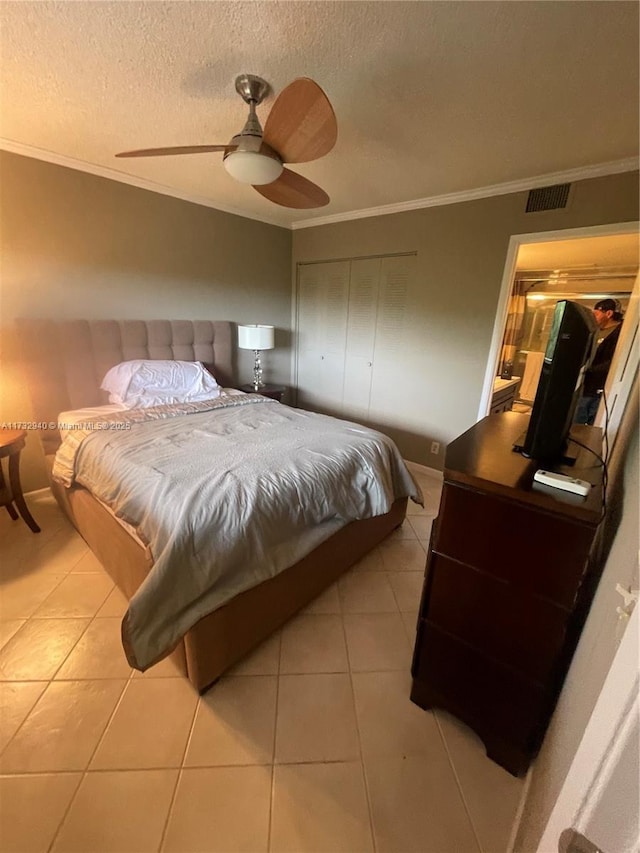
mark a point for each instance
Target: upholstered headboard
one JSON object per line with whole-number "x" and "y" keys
{"x": 66, "y": 360}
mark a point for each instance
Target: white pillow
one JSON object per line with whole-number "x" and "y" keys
{"x": 143, "y": 383}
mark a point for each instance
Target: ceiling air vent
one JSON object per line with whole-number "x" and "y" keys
{"x": 548, "y": 198}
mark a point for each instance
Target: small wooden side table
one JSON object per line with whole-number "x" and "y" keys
{"x": 276, "y": 392}
{"x": 11, "y": 443}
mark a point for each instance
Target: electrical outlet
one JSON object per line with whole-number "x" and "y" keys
{"x": 435, "y": 447}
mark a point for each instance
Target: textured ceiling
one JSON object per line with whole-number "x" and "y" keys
{"x": 431, "y": 98}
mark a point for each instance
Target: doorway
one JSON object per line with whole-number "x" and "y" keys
{"x": 585, "y": 265}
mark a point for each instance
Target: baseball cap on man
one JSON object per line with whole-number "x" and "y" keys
{"x": 606, "y": 305}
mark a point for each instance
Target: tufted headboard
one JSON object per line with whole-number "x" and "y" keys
{"x": 66, "y": 360}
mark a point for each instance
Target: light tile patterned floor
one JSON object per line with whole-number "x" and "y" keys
{"x": 309, "y": 744}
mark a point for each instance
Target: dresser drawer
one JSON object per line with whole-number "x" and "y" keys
{"x": 517, "y": 629}
{"x": 532, "y": 550}
{"x": 487, "y": 695}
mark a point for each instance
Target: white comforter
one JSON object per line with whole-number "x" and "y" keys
{"x": 227, "y": 496}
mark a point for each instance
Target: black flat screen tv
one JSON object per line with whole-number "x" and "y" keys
{"x": 568, "y": 354}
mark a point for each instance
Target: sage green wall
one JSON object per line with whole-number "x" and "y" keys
{"x": 461, "y": 250}
{"x": 76, "y": 245}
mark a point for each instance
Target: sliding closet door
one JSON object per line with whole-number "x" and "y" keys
{"x": 357, "y": 339}
{"x": 393, "y": 381}
{"x": 323, "y": 299}
{"x": 361, "y": 337}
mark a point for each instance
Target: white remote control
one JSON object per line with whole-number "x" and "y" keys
{"x": 562, "y": 481}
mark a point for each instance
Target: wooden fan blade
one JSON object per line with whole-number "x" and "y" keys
{"x": 292, "y": 190}
{"x": 180, "y": 149}
{"x": 301, "y": 125}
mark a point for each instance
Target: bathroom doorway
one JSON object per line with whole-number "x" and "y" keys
{"x": 584, "y": 265}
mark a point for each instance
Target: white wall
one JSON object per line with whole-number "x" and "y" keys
{"x": 599, "y": 641}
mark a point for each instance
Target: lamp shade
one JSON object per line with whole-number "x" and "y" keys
{"x": 255, "y": 337}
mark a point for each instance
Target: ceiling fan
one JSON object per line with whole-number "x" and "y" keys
{"x": 300, "y": 127}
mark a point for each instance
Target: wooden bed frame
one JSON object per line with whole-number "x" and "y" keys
{"x": 66, "y": 362}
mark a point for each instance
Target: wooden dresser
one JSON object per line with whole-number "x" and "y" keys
{"x": 507, "y": 588}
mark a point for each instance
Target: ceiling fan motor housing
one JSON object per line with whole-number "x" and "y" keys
{"x": 252, "y": 89}
{"x": 253, "y": 161}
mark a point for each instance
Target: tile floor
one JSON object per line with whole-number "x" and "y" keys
{"x": 310, "y": 744}
{"x": 523, "y": 408}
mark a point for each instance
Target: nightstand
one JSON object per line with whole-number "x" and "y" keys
{"x": 11, "y": 443}
{"x": 276, "y": 392}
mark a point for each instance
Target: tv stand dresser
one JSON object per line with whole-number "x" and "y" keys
{"x": 507, "y": 588}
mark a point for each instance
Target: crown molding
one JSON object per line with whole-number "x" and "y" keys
{"x": 123, "y": 178}
{"x": 614, "y": 167}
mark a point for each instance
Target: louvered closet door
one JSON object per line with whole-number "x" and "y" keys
{"x": 395, "y": 361}
{"x": 361, "y": 337}
{"x": 323, "y": 298}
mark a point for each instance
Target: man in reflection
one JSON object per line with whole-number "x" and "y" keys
{"x": 609, "y": 320}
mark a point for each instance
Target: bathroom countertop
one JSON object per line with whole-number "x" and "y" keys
{"x": 500, "y": 384}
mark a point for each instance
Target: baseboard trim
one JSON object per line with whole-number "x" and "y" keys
{"x": 40, "y": 491}
{"x": 424, "y": 469}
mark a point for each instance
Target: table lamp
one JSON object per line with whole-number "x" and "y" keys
{"x": 256, "y": 338}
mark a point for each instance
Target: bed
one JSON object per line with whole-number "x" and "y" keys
{"x": 66, "y": 362}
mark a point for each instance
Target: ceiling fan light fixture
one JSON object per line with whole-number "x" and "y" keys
{"x": 252, "y": 167}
